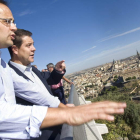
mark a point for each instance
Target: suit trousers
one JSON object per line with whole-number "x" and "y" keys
{"x": 50, "y": 133}
{"x": 59, "y": 92}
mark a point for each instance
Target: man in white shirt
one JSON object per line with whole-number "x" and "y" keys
{"x": 24, "y": 122}
{"x": 29, "y": 83}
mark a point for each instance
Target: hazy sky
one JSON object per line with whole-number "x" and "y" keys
{"x": 84, "y": 33}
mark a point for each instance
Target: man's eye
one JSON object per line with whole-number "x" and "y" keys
{"x": 9, "y": 21}
{"x": 28, "y": 45}
{"x": 5, "y": 21}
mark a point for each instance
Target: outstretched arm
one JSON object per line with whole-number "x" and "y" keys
{"x": 56, "y": 75}
{"x": 67, "y": 80}
{"x": 82, "y": 114}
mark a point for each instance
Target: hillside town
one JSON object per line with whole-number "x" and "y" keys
{"x": 91, "y": 82}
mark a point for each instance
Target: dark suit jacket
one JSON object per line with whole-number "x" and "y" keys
{"x": 47, "y": 79}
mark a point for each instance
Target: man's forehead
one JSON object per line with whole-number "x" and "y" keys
{"x": 1, "y": 10}
{"x": 27, "y": 39}
{"x": 2, "y": 7}
{"x": 5, "y": 12}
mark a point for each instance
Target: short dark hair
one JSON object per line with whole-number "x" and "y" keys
{"x": 20, "y": 33}
{"x": 4, "y": 2}
{"x": 50, "y": 65}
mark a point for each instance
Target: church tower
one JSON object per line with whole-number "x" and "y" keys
{"x": 113, "y": 65}
{"x": 138, "y": 62}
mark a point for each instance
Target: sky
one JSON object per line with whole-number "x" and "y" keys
{"x": 84, "y": 33}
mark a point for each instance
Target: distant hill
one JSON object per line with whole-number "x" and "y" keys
{"x": 91, "y": 68}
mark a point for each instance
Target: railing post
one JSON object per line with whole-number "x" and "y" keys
{"x": 71, "y": 95}
{"x": 67, "y": 130}
{"x": 81, "y": 132}
{"x": 77, "y": 132}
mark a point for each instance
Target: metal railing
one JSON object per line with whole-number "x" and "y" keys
{"x": 69, "y": 132}
{"x": 88, "y": 131}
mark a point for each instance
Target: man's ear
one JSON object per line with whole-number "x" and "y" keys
{"x": 14, "y": 49}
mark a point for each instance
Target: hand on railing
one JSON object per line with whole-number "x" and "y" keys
{"x": 71, "y": 83}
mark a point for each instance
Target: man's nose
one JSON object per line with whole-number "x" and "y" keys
{"x": 13, "y": 27}
{"x": 33, "y": 48}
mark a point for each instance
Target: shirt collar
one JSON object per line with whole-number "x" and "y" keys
{"x": 0, "y": 54}
{"x": 21, "y": 67}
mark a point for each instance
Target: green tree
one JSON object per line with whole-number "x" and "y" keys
{"x": 113, "y": 88}
{"x": 115, "y": 79}
{"x": 125, "y": 125}
{"x": 129, "y": 78}
{"x": 104, "y": 83}
{"x": 134, "y": 77}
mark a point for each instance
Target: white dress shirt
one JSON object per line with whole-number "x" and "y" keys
{"x": 32, "y": 90}
{"x": 17, "y": 121}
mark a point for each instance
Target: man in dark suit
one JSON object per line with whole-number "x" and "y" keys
{"x": 30, "y": 85}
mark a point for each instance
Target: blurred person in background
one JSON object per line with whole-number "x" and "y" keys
{"x": 57, "y": 89}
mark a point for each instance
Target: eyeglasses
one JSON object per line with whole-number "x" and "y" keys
{"x": 7, "y": 22}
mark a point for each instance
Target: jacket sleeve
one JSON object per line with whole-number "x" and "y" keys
{"x": 54, "y": 77}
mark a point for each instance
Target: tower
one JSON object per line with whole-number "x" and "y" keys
{"x": 113, "y": 66}
{"x": 138, "y": 62}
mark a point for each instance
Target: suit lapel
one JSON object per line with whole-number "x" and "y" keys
{"x": 18, "y": 71}
{"x": 37, "y": 72}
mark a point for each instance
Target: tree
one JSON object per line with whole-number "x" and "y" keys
{"x": 113, "y": 88}
{"x": 115, "y": 76}
{"x": 127, "y": 79}
{"x": 126, "y": 125}
{"x": 134, "y": 77}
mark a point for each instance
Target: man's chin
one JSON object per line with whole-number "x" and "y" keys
{"x": 9, "y": 44}
{"x": 32, "y": 61}
{"x": 5, "y": 46}
{"x": 5, "y": 43}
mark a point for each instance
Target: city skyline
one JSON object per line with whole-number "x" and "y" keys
{"x": 83, "y": 33}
